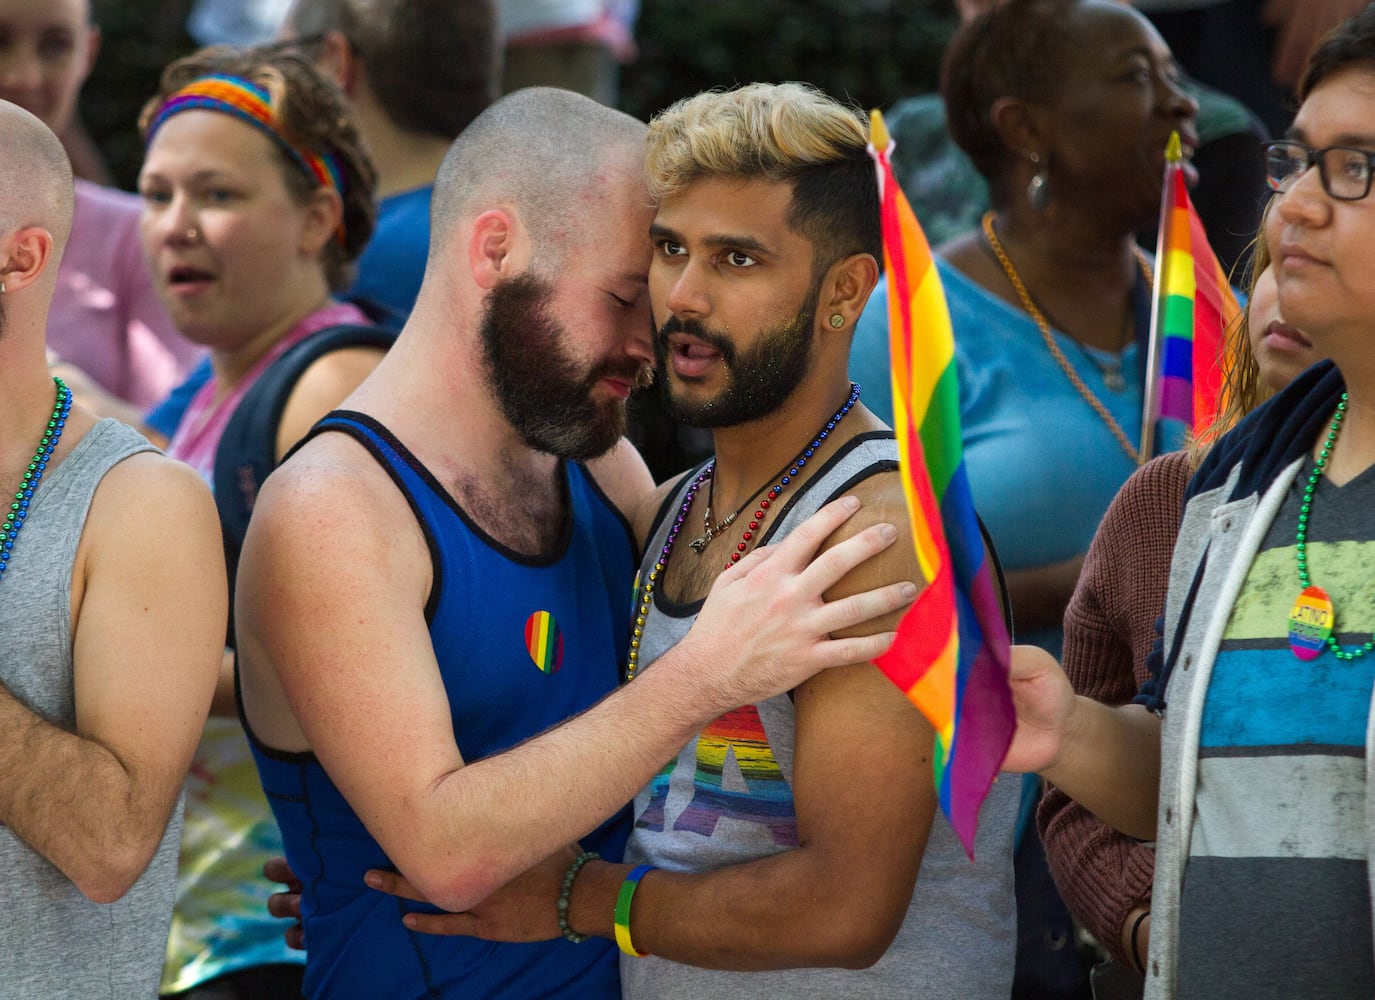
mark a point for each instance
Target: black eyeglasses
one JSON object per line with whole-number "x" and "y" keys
{"x": 1345, "y": 171}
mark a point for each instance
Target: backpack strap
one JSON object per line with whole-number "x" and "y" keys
{"x": 248, "y": 449}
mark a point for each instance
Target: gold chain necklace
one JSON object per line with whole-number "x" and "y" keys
{"x": 1043, "y": 325}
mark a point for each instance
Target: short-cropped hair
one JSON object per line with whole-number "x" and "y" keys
{"x": 433, "y": 65}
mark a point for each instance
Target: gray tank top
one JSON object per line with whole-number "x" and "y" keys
{"x": 54, "y": 942}
{"x": 727, "y": 799}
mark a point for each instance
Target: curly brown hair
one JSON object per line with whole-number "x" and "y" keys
{"x": 310, "y": 113}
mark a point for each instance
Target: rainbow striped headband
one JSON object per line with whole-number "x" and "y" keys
{"x": 247, "y": 101}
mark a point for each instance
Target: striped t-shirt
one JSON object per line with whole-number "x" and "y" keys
{"x": 1275, "y": 900}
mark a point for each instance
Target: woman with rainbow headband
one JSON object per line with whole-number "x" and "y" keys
{"x": 257, "y": 198}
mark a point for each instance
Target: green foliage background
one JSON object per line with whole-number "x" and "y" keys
{"x": 869, "y": 52}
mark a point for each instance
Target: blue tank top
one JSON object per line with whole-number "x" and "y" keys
{"x": 522, "y": 644}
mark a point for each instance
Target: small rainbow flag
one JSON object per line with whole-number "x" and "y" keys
{"x": 1193, "y": 308}
{"x": 951, "y": 651}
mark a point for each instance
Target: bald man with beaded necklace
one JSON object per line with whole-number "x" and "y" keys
{"x": 112, "y": 603}
{"x": 777, "y": 852}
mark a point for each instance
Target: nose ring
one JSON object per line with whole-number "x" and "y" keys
{"x": 192, "y": 233}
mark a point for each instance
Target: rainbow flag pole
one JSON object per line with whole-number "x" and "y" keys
{"x": 951, "y": 652}
{"x": 1190, "y": 313}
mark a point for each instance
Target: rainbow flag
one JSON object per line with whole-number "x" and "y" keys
{"x": 1193, "y": 308}
{"x": 951, "y": 652}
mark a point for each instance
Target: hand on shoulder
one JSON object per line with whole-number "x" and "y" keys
{"x": 766, "y": 626}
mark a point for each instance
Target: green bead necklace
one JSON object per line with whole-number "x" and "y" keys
{"x": 1312, "y": 623}
{"x": 19, "y": 508}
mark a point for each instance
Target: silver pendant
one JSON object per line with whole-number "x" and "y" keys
{"x": 1114, "y": 381}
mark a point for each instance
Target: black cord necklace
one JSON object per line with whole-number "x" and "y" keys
{"x": 778, "y": 480}
{"x": 712, "y": 529}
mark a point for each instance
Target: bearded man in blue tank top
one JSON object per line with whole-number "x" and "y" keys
{"x": 443, "y": 572}
{"x": 112, "y": 611}
{"x": 789, "y": 848}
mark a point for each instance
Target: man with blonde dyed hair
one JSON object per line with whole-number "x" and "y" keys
{"x": 111, "y": 646}
{"x": 440, "y": 575}
{"x": 791, "y": 840}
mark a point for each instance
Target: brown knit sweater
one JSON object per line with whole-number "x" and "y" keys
{"x": 1109, "y": 628}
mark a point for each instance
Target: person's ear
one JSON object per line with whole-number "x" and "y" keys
{"x": 24, "y": 255}
{"x": 324, "y": 214}
{"x": 1019, "y": 126}
{"x": 338, "y": 61}
{"x": 845, "y": 290}
{"x": 492, "y": 246}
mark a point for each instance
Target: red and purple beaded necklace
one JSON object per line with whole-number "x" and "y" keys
{"x": 782, "y": 479}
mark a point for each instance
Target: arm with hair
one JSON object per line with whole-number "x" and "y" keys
{"x": 808, "y": 906}
{"x": 813, "y": 905}
{"x": 147, "y": 634}
{"x": 329, "y": 589}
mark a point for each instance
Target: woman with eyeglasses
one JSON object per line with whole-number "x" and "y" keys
{"x": 1249, "y": 757}
{"x": 1104, "y": 876}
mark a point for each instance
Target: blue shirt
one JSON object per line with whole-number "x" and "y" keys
{"x": 393, "y": 263}
{"x": 522, "y": 644}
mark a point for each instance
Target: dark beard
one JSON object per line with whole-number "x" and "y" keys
{"x": 760, "y": 380}
{"x": 544, "y": 394}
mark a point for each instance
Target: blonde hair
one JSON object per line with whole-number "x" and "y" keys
{"x": 784, "y": 132}
{"x": 761, "y": 130}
